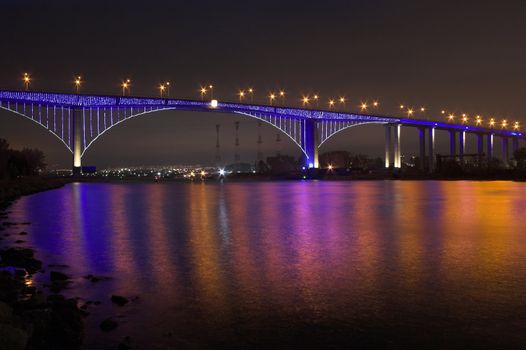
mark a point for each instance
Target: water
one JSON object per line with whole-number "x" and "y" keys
{"x": 288, "y": 264}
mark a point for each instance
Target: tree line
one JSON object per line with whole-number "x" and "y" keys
{"x": 16, "y": 163}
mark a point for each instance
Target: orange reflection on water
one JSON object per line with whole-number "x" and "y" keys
{"x": 203, "y": 245}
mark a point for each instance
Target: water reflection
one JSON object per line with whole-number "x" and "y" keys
{"x": 238, "y": 257}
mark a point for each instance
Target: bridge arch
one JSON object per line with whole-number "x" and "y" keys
{"x": 265, "y": 118}
{"x": 63, "y": 139}
{"x": 323, "y": 140}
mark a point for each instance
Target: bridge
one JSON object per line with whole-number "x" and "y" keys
{"x": 78, "y": 120}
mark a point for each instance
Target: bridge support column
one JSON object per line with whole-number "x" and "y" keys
{"x": 388, "y": 146}
{"x": 480, "y": 147}
{"x": 505, "y": 151}
{"x": 461, "y": 145}
{"x": 431, "y": 131}
{"x": 490, "y": 147}
{"x": 397, "y": 154}
{"x": 422, "y": 140}
{"x": 312, "y": 143}
{"x": 77, "y": 142}
{"x": 514, "y": 145}
{"x": 452, "y": 142}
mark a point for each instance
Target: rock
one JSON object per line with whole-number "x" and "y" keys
{"x": 119, "y": 300}
{"x": 54, "y": 298}
{"x": 56, "y": 276}
{"x": 125, "y": 344}
{"x": 12, "y": 338}
{"x": 20, "y": 257}
{"x": 108, "y": 325}
{"x": 6, "y": 312}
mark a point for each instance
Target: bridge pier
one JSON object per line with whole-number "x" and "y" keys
{"x": 480, "y": 147}
{"x": 397, "y": 152}
{"x": 452, "y": 142}
{"x": 514, "y": 145}
{"x": 461, "y": 145}
{"x": 312, "y": 144}
{"x": 490, "y": 147}
{"x": 505, "y": 151}
{"x": 422, "y": 141}
{"x": 388, "y": 146}
{"x": 431, "y": 131}
{"x": 77, "y": 142}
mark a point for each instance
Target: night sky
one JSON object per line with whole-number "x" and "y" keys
{"x": 462, "y": 56}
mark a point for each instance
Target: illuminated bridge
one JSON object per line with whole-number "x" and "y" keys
{"x": 79, "y": 120}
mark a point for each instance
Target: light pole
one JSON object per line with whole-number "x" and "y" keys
{"x": 26, "y": 79}
{"x": 316, "y": 97}
{"x": 342, "y": 101}
{"x": 251, "y": 92}
{"x": 167, "y": 84}
{"x": 162, "y": 87}
{"x": 331, "y": 104}
{"x": 305, "y": 101}
{"x": 363, "y": 106}
{"x": 271, "y": 98}
{"x": 282, "y": 95}
{"x": 211, "y": 87}
{"x": 126, "y": 86}
{"x": 241, "y": 95}
{"x": 203, "y": 93}
{"x": 78, "y": 82}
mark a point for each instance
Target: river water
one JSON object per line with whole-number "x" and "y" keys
{"x": 287, "y": 264}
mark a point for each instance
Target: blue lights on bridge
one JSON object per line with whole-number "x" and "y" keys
{"x": 308, "y": 128}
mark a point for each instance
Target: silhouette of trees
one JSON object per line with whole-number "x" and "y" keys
{"x": 15, "y": 163}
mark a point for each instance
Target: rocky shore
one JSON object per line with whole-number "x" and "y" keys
{"x": 39, "y": 317}
{"x": 13, "y": 189}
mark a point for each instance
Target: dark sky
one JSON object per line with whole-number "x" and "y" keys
{"x": 463, "y": 56}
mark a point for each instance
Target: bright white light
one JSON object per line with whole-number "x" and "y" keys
{"x": 213, "y": 103}
{"x": 311, "y": 165}
{"x": 222, "y": 172}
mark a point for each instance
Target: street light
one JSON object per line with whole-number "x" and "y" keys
{"x": 410, "y": 112}
{"x": 78, "y": 82}
{"x": 516, "y": 126}
{"x": 241, "y": 95}
{"x": 464, "y": 118}
{"x": 211, "y": 87}
{"x": 167, "y": 84}
{"x": 316, "y": 99}
{"x": 451, "y": 117}
{"x": 376, "y": 104}
{"x": 162, "y": 87}
{"x": 331, "y": 104}
{"x": 491, "y": 122}
{"x": 478, "y": 120}
{"x": 504, "y": 124}
{"x": 26, "y": 79}
{"x": 305, "y": 100}
{"x": 251, "y": 92}
{"x": 282, "y": 95}
{"x": 402, "y": 107}
{"x": 342, "y": 100}
{"x": 126, "y": 86}
{"x": 203, "y": 93}
{"x": 271, "y": 97}
{"x": 363, "y": 106}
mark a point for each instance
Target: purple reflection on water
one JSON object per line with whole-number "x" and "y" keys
{"x": 292, "y": 263}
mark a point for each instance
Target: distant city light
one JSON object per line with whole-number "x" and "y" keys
{"x": 213, "y": 103}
